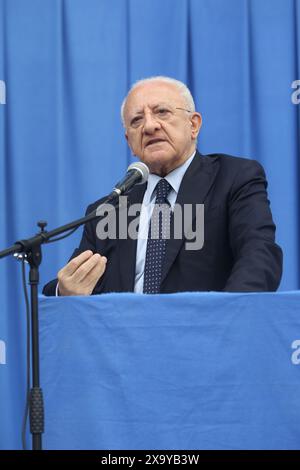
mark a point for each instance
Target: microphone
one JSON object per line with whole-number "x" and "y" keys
{"x": 137, "y": 173}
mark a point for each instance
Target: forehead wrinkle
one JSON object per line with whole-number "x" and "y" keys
{"x": 156, "y": 105}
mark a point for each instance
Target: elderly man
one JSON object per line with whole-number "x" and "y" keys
{"x": 239, "y": 252}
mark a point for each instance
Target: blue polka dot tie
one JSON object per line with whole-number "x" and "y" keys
{"x": 159, "y": 232}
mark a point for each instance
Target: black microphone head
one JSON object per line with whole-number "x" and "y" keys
{"x": 137, "y": 173}
{"x": 142, "y": 169}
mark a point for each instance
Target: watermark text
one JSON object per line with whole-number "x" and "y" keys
{"x": 2, "y": 92}
{"x": 183, "y": 222}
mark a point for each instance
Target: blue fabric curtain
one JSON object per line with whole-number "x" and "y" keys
{"x": 65, "y": 66}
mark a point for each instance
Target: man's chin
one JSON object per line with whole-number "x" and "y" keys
{"x": 158, "y": 162}
{"x": 157, "y": 157}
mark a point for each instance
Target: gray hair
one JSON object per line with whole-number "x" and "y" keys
{"x": 182, "y": 88}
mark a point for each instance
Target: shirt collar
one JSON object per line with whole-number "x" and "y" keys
{"x": 174, "y": 178}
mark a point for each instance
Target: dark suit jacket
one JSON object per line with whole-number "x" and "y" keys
{"x": 239, "y": 252}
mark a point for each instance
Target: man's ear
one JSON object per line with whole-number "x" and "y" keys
{"x": 196, "y": 123}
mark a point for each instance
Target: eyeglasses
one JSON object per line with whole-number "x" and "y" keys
{"x": 159, "y": 113}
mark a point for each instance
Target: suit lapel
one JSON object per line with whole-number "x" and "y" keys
{"x": 194, "y": 188}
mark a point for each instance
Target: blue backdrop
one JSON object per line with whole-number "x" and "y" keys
{"x": 65, "y": 66}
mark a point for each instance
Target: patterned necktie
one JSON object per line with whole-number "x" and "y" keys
{"x": 159, "y": 232}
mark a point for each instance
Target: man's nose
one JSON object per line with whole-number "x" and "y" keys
{"x": 150, "y": 123}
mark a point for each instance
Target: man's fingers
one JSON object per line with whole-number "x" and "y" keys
{"x": 95, "y": 274}
{"x": 85, "y": 277}
{"x": 83, "y": 271}
{"x": 75, "y": 263}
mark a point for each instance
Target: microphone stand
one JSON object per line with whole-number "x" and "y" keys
{"x": 31, "y": 250}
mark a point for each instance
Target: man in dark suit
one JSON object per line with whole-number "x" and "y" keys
{"x": 239, "y": 252}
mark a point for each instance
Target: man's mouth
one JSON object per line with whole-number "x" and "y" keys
{"x": 154, "y": 141}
